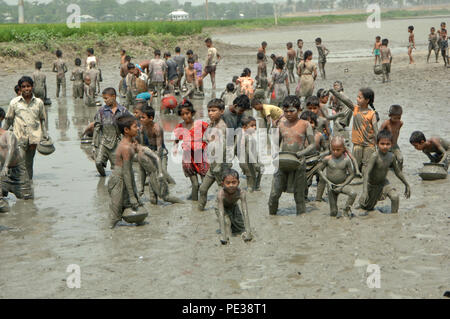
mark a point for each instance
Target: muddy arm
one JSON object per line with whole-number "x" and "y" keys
{"x": 355, "y": 163}
{"x": 221, "y": 217}
{"x": 12, "y": 145}
{"x": 148, "y": 152}
{"x": 398, "y": 172}
{"x": 312, "y": 145}
{"x": 350, "y": 176}
{"x": 142, "y": 177}
{"x": 369, "y": 169}
{"x": 322, "y": 166}
{"x": 9, "y": 118}
{"x": 43, "y": 119}
{"x": 128, "y": 179}
{"x": 247, "y": 236}
{"x": 343, "y": 99}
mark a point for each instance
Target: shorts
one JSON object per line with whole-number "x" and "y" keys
{"x": 377, "y": 52}
{"x": 210, "y": 68}
{"x": 386, "y": 67}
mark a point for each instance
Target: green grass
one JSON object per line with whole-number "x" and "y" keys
{"x": 46, "y": 33}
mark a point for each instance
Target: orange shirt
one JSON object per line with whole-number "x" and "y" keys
{"x": 363, "y": 133}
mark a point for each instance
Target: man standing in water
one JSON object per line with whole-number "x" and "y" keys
{"x": 211, "y": 62}
{"x": 26, "y": 114}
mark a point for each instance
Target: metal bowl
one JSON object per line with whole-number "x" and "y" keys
{"x": 288, "y": 161}
{"x": 433, "y": 171}
{"x": 133, "y": 216}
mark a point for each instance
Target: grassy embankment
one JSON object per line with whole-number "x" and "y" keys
{"x": 21, "y": 41}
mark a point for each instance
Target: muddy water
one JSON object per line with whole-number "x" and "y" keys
{"x": 356, "y": 44}
{"x": 178, "y": 254}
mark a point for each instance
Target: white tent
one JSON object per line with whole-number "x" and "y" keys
{"x": 179, "y": 15}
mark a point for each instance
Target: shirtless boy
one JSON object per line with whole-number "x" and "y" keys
{"x": 190, "y": 79}
{"x": 412, "y": 43}
{"x": 40, "y": 86}
{"x": 323, "y": 52}
{"x": 77, "y": 78}
{"x": 339, "y": 174}
{"x": 156, "y": 72}
{"x": 261, "y": 77}
{"x": 433, "y": 45}
{"x": 123, "y": 75}
{"x": 121, "y": 184}
{"x": 59, "y": 66}
{"x": 231, "y": 219}
{"x": 386, "y": 60}
{"x": 375, "y": 183}
{"x": 436, "y": 148}
{"x": 376, "y": 49}
{"x": 299, "y": 54}
{"x": 393, "y": 125}
{"x": 294, "y": 132}
{"x": 290, "y": 61}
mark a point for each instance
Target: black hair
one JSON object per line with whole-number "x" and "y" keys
{"x": 77, "y": 61}
{"x": 309, "y": 115}
{"x": 384, "y": 134}
{"x": 289, "y": 44}
{"x": 378, "y": 37}
{"x": 299, "y": 40}
{"x": 218, "y": 103}
{"x": 279, "y": 62}
{"x": 2, "y": 113}
{"x": 260, "y": 56}
{"x": 191, "y": 60}
{"x": 17, "y": 89}
{"x": 273, "y": 56}
{"x": 58, "y": 53}
{"x": 230, "y": 172}
{"x": 38, "y": 65}
{"x": 177, "y": 50}
{"x": 291, "y": 100}
{"x": 166, "y": 91}
{"x": 234, "y": 79}
{"x": 125, "y": 121}
{"x": 186, "y": 105}
{"x": 312, "y": 100}
{"x": 255, "y": 101}
{"x": 385, "y": 42}
{"x": 322, "y": 93}
{"x": 242, "y": 101}
{"x": 307, "y": 54}
{"x": 230, "y": 87}
{"x": 24, "y": 79}
{"x": 167, "y": 54}
{"x": 246, "y": 72}
{"x": 149, "y": 111}
{"x": 110, "y": 91}
{"x": 90, "y": 50}
{"x": 208, "y": 40}
{"x": 130, "y": 66}
{"x": 368, "y": 94}
{"x": 247, "y": 120}
{"x": 395, "y": 110}
{"x": 411, "y": 28}
{"x": 123, "y": 50}
{"x": 157, "y": 52}
{"x": 189, "y": 52}
{"x": 140, "y": 104}
{"x": 417, "y": 137}
{"x": 128, "y": 58}
{"x": 263, "y": 43}
{"x": 319, "y": 40}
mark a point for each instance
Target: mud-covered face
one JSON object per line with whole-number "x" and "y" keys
{"x": 145, "y": 119}
{"x": 250, "y": 128}
{"x": 186, "y": 115}
{"x": 314, "y": 108}
{"x": 290, "y": 113}
{"x": 300, "y": 44}
{"x": 109, "y": 99}
{"x": 230, "y": 184}
{"x": 419, "y": 146}
{"x": 361, "y": 100}
{"x": 337, "y": 149}
{"x": 384, "y": 145}
{"x": 395, "y": 118}
{"x": 26, "y": 89}
{"x": 132, "y": 131}
{"x": 137, "y": 113}
{"x": 214, "y": 113}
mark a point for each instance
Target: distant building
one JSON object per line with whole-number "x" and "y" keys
{"x": 86, "y": 18}
{"x": 178, "y": 15}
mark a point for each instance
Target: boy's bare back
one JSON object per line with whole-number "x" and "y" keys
{"x": 394, "y": 128}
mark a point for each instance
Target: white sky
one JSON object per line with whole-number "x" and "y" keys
{"x": 195, "y": 2}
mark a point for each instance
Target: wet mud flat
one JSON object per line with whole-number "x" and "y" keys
{"x": 177, "y": 254}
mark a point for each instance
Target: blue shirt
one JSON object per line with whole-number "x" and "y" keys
{"x": 144, "y": 96}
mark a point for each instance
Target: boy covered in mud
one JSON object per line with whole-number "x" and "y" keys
{"x": 121, "y": 184}
{"x": 88, "y": 92}
{"x": 40, "y": 86}
{"x": 77, "y": 78}
{"x": 231, "y": 219}
{"x": 436, "y": 148}
{"x": 212, "y": 59}
{"x": 290, "y": 61}
{"x": 150, "y": 165}
{"x": 190, "y": 80}
{"x": 386, "y": 60}
{"x": 123, "y": 75}
{"x": 248, "y": 154}
{"x": 323, "y": 52}
{"x": 261, "y": 77}
{"x": 293, "y": 134}
{"x": 106, "y": 133}
{"x": 157, "y": 70}
{"x": 375, "y": 183}
{"x": 14, "y": 176}
{"x": 299, "y": 54}
{"x": 153, "y": 137}
{"x": 59, "y": 66}
{"x": 393, "y": 125}
{"x": 339, "y": 174}
{"x": 215, "y": 135}
{"x": 94, "y": 75}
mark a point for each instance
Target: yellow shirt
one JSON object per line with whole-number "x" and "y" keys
{"x": 26, "y": 119}
{"x": 274, "y": 111}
